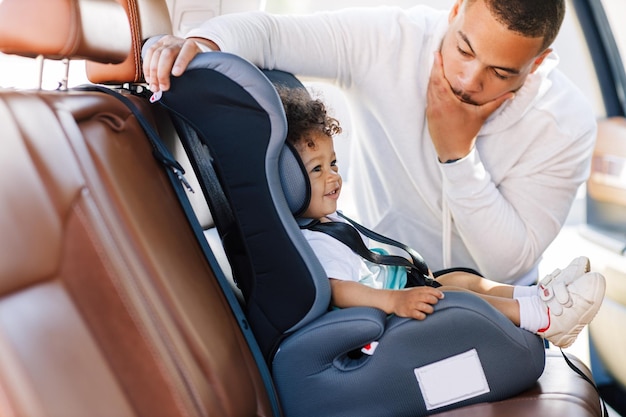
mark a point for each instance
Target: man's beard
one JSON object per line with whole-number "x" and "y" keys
{"x": 465, "y": 98}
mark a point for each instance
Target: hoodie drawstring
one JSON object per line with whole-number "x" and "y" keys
{"x": 446, "y": 232}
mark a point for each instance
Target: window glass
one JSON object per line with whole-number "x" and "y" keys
{"x": 576, "y": 61}
{"x": 23, "y": 73}
{"x": 616, "y": 11}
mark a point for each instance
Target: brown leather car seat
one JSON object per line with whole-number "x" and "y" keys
{"x": 108, "y": 306}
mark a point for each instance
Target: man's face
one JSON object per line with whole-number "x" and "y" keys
{"x": 482, "y": 59}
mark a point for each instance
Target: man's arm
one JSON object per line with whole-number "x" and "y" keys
{"x": 321, "y": 45}
{"x": 508, "y": 223}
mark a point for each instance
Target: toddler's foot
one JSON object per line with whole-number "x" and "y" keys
{"x": 571, "y": 307}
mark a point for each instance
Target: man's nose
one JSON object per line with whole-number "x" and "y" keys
{"x": 471, "y": 79}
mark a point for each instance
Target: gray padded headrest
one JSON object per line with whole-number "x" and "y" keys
{"x": 293, "y": 176}
{"x": 294, "y": 180}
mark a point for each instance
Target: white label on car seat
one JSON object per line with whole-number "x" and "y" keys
{"x": 451, "y": 380}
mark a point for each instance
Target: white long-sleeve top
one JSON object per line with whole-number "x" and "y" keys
{"x": 497, "y": 209}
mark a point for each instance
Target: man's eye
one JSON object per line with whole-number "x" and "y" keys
{"x": 462, "y": 52}
{"x": 334, "y": 163}
{"x": 501, "y": 76}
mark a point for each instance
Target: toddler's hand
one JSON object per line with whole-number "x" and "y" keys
{"x": 415, "y": 302}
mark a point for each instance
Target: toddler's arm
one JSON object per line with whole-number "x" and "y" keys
{"x": 414, "y": 302}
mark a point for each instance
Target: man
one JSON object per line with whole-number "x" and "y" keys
{"x": 471, "y": 145}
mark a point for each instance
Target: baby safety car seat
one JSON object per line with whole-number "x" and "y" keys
{"x": 464, "y": 353}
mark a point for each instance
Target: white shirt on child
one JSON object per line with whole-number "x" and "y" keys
{"x": 340, "y": 262}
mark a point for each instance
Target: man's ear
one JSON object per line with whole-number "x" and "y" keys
{"x": 455, "y": 10}
{"x": 539, "y": 59}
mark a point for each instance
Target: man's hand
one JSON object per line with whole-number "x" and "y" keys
{"x": 170, "y": 55}
{"x": 452, "y": 123}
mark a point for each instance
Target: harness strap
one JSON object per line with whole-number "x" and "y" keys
{"x": 348, "y": 234}
{"x": 417, "y": 258}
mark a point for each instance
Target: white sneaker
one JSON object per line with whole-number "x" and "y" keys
{"x": 577, "y": 268}
{"x": 571, "y": 307}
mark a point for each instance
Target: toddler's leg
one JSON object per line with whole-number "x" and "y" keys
{"x": 505, "y": 305}
{"x": 475, "y": 283}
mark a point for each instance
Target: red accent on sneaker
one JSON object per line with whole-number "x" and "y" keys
{"x": 548, "y": 326}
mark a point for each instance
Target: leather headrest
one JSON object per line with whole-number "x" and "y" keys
{"x": 97, "y": 30}
{"x": 147, "y": 18}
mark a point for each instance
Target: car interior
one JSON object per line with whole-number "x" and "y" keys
{"x": 116, "y": 296}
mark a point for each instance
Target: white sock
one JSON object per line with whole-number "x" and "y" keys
{"x": 520, "y": 291}
{"x": 533, "y": 313}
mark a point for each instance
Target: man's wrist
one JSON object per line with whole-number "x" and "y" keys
{"x": 452, "y": 157}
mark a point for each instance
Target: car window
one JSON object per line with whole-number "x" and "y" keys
{"x": 615, "y": 11}
{"x": 24, "y": 73}
{"x": 576, "y": 60}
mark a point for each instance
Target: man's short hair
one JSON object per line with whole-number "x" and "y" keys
{"x": 530, "y": 18}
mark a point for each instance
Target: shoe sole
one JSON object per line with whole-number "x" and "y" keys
{"x": 567, "y": 339}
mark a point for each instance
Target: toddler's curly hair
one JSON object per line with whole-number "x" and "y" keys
{"x": 305, "y": 114}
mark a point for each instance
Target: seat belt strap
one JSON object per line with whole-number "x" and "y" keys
{"x": 348, "y": 234}
{"x": 417, "y": 258}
